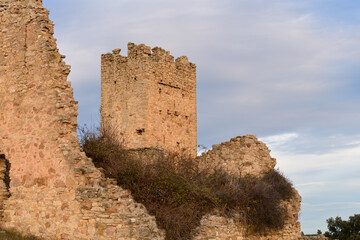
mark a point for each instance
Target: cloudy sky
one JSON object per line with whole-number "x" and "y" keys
{"x": 285, "y": 70}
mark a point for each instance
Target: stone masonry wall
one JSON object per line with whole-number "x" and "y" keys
{"x": 150, "y": 98}
{"x": 241, "y": 156}
{"x": 56, "y": 192}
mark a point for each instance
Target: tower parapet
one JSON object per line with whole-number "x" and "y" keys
{"x": 150, "y": 98}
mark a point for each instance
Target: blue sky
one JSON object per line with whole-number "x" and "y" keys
{"x": 287, "y": 71}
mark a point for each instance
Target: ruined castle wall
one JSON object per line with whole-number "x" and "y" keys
{"x": 55, "y": 191}
{"x": 150, "y": 98}
{"x": 241, "y": 156}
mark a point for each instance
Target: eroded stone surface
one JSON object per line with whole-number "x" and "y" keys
{"x": 241, "y": 156}
{"x": 56, "y": 192}
{"x": 150, "y": 98}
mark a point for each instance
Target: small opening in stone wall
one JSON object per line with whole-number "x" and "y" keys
{"x": 115, "y": 82}
{"x": 159, "y": 90}
{"x": 135, "y": 78}
{"x": 6, "y": 173}
{"x": 140, "y": 131}
{"x": 183, "y": 95}
{"x": 186, "y": 117}
{"x": 160, "y": 111}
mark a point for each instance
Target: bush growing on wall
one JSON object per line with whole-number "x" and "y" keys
{"x": 11, "y": 235}
{"x": 174, "y": 189}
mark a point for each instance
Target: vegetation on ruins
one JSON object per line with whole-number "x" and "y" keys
{"x": 11, "y": 235}
{"x": 179, "y": 194}
{"x": 344, "y": 229}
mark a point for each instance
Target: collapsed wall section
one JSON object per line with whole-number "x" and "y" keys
{"x": 55, "y": 190}
{"x": 150, "y": 98}
{"x": 241, "y": 156}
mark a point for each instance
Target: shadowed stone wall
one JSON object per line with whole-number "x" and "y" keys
{"x": 4, "y": 182}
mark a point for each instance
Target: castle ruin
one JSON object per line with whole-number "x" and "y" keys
{"x": 150, "y": 99}
{"x": 54, "y": 191}
{"x": 48, "y": 187}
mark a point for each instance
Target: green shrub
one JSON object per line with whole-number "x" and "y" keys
{"x": 179, "y": 194}
{"x": 344, "y": 229}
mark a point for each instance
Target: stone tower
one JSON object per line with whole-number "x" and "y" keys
{"x": 150, "y": 99}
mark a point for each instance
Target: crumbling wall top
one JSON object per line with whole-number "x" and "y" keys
{"x": 30, "y": 3}
{"x": 145, "y": 53}
{"x": 150, "y": 97}
{"x": 241, "y": 155}
{"x": 55, "y": 191}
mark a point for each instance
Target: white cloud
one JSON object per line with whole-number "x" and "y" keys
{"x": 332, "y": 204}
{"x": 339, "y": 160}
{"x": 311, "y": 184}
{"x": 279, "y": 139}
{"x": 328, "y": 183}
{"x": 266, "y": 67}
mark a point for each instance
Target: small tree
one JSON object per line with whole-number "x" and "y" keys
{"x": 344, "y": 230}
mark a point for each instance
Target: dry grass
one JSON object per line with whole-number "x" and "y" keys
{"x": 10, "y": 235}
{"x": 174, "y": 189}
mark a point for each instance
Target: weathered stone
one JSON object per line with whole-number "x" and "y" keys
{"x": 241, "y": 156}
{"x": 38, "y": 137}
{"x": 149, "y": 100}
{"x": 56, "y": 192}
